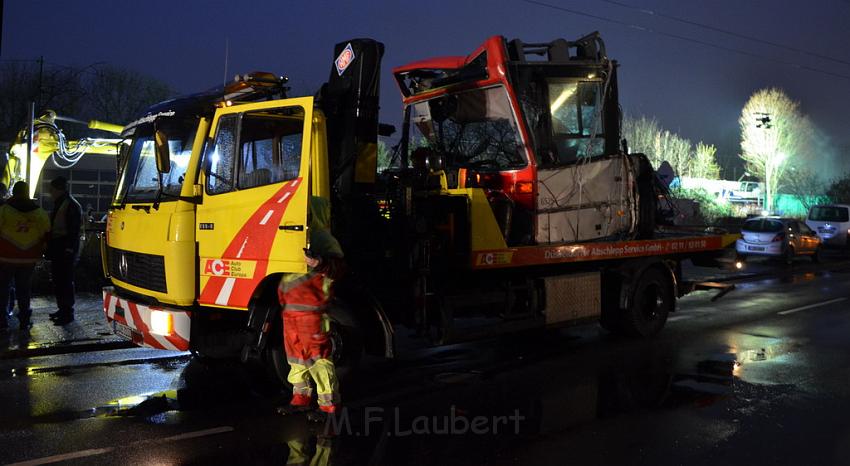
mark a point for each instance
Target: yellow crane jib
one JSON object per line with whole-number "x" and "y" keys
{"x": 49, "y": 141}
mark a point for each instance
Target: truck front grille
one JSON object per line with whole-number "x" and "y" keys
{"x": 142, "y": 270}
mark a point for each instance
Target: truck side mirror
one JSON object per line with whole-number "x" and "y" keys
{"x": 163, "y": 155}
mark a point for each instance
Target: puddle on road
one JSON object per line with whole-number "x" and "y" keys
{"x": 166, "y": 364}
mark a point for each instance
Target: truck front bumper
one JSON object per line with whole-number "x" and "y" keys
{"x": 149, "y": 326}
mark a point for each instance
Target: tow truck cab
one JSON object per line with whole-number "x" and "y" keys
{"x": 228, "y": 211}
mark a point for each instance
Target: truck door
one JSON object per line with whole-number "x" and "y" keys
{"x": 252, "y": 221}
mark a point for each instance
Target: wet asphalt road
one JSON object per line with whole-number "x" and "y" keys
{"x": 761, "y": 376}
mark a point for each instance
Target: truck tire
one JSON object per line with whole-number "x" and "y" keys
{"x": 651, "y": 303}
{"x": 346, "y": 348}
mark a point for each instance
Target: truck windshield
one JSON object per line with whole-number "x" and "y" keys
{"x": 472, "y": 128}
{"x": 139, "y": 178}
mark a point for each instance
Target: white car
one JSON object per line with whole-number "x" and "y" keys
{"x": 831, "y": 222}
{"x": 777, "y": 237}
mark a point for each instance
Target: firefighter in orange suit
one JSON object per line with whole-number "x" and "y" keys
{"x": 304, "y": 299}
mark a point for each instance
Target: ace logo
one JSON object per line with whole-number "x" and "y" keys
{"x": 229, "y": 268}
{"x": 217, "y": 267}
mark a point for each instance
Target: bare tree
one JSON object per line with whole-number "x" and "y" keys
{"x": 640, "y": 134}
{"x": 704, "y": 163}
{"x": 805, "y": 185}
{"x": 23, "y": 82}
{"x": 103, "y": 93}
{"x": 773, "y": 133}
{"x": 119, "y": 95}
{"x": 646, "y": 136}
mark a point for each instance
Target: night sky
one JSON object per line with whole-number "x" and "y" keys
{"x": 693, "y": 89}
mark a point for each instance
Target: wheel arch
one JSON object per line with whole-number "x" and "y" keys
{"x": 352, "y": 306}
{"x": 633, "y": 271}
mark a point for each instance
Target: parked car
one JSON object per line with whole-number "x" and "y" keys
{"x": 831, "y": 222}
{"x": 778, "y": 237}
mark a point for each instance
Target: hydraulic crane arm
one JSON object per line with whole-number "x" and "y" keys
{"x": 49, "y": 141}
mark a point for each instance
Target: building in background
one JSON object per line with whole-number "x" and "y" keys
{"x": 92, "y": 182}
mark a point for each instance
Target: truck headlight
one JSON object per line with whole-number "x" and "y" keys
{"x": 162, "y": 323}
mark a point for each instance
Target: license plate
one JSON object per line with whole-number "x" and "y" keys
{"x": 755, "y": 248}
{"x": 122, "y": 330}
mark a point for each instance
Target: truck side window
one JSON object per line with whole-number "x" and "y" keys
{"x": 576, "y": 108}
{"x": 270, "y": 147}
{"x": 221, "y": 155}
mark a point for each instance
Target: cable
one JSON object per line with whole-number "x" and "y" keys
{"x": 688, "y": 39}
{"x": 725, "y": 31}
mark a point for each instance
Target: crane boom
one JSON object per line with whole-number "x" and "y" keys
{"x": 49, "y": 141}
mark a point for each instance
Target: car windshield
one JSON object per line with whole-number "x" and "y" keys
{"x": 762, "y": 225}
{"x": 829, "y": 214}
{"x": 472, "y": 128}
{"x": 139, "y": 178}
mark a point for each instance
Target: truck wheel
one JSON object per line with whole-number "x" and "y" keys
{"x": 346, "y": 348}
{"x": 651, "y": 302}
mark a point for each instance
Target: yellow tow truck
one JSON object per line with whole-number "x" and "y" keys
{"x": 511, "y": 204}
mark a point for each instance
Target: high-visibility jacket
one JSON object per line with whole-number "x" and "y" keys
{"x": 23, "y": 231}
{"x": 66, "y": 227}
{"x": 304, "y": 292}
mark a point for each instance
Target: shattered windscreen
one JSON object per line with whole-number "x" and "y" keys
{"x": 472, "y": 128}
{"x": 576, "y": 108}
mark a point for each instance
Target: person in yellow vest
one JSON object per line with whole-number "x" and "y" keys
{"x": 63, "y": 248}
{"x": 23, "y": 234}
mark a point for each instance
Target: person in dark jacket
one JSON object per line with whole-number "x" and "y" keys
{"x": 4, "y": 196}
{"x": 63, "y": 247}
{"x": 23, "y": 231}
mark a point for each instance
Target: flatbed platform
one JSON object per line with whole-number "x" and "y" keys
{"x": 549, "y": 254}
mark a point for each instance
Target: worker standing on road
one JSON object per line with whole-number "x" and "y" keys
{"x": 4, "y": 196}
{"x": 23, "y": 232}
{"x": 304, "y": 300}
{"x": 63, "y": 247}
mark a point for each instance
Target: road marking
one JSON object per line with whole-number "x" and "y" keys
{"x": 283, "y": 198}
{"x": 224, "y": 295}
{"x": 101, "y": 451}
{"x": 677, "y": 318}
{"x": 810, "y": 306}
{"x": 267, "y": 217}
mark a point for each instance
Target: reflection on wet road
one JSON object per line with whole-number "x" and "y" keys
{"x": 740, "y": 380}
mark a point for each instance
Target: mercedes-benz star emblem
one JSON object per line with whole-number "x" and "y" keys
{"x": 122, "y": 265}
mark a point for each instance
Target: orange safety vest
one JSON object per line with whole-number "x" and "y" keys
{"x": 22, "y": 234}
{"x": 309, "y": 292}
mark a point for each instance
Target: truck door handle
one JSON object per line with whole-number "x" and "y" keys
{"x": 291, "y": 227}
